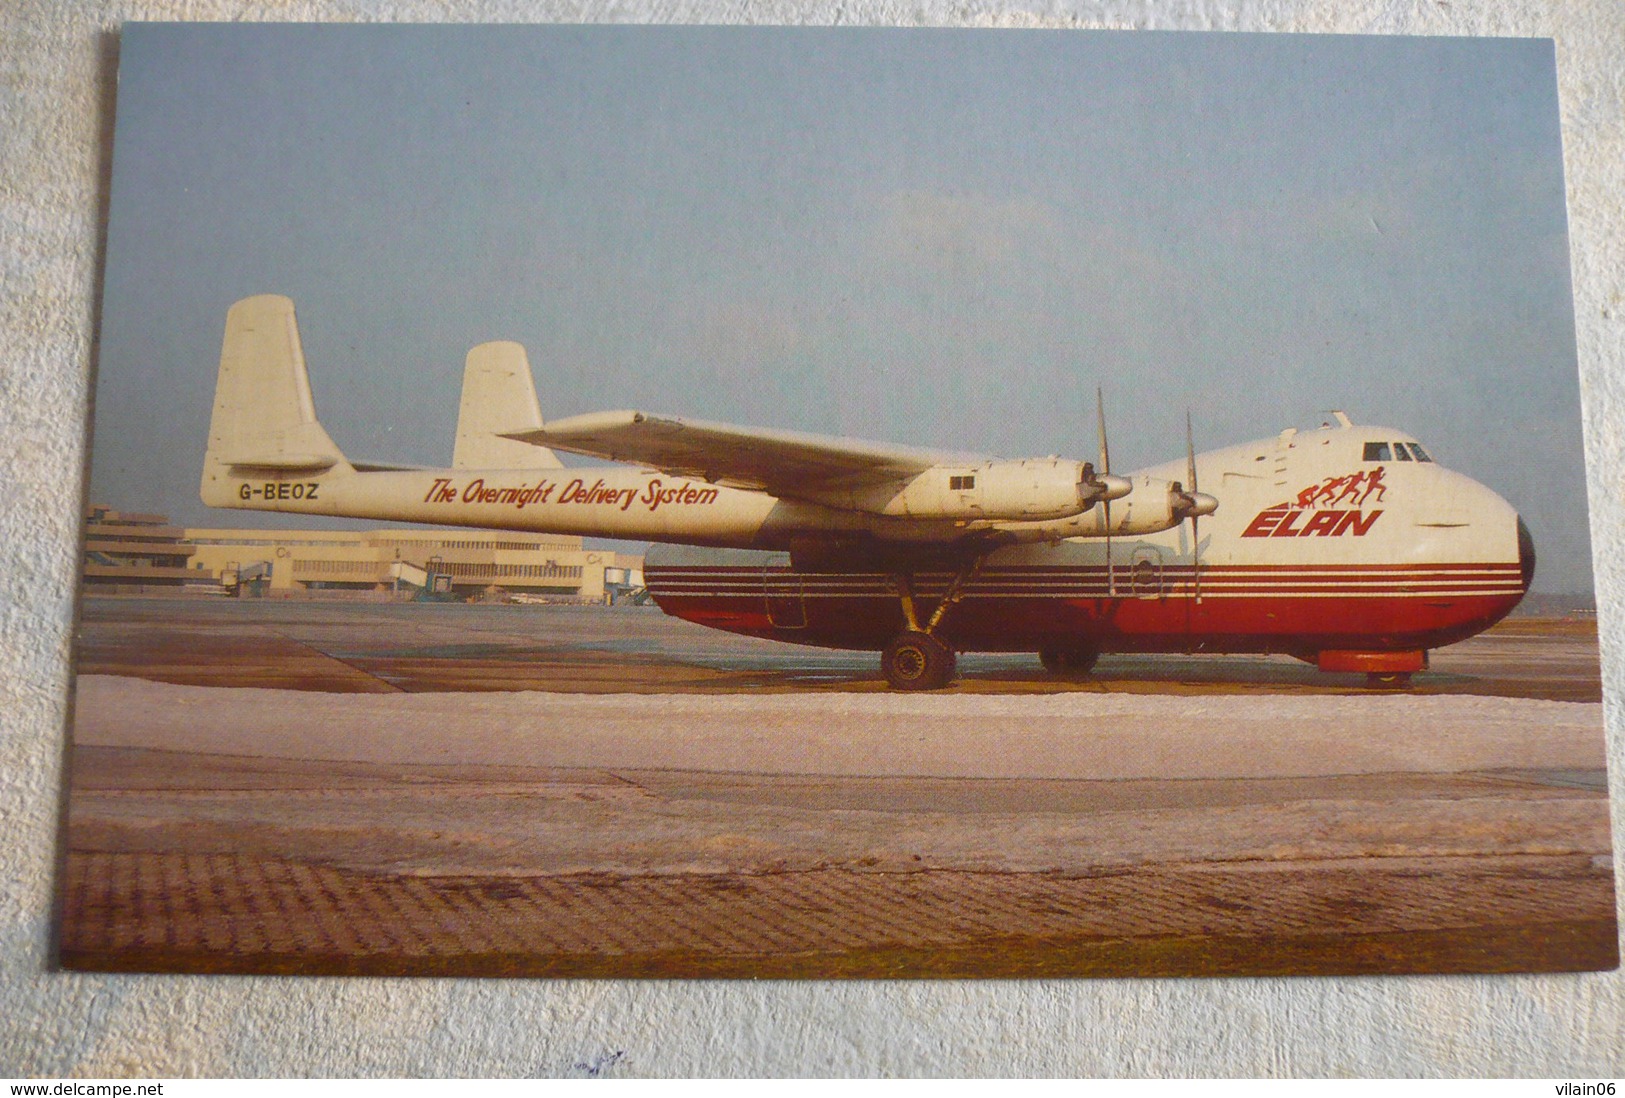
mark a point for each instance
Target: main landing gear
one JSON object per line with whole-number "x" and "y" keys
{"x": 1068, "y": 662}
{"x": 917, "y": 658}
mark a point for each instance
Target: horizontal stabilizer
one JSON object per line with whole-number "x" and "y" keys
{"x": 385, "y": 467}
{"x": 283, "y": 462}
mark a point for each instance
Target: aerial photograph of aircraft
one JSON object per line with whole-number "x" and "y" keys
{"x": 1347, "y": 546}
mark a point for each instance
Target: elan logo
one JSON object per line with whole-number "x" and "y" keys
{"x": 1282, "y": 521}
{"x": 1318, "y": 510}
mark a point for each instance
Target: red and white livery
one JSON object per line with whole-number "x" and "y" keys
{"x": 1347, "y": 546}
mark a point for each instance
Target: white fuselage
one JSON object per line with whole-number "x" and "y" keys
{"x": 634, "y": 504}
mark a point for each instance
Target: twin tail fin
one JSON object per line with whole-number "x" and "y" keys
{"x": 264, "y": 422}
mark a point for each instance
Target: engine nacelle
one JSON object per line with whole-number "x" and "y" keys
{"x": 1030, "y": 490}
{"x": 1153, "y": 506}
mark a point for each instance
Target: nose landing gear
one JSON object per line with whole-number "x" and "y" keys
{"x": 1384, "y": 670}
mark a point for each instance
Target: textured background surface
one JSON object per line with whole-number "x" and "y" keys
{"x": 56, "y": 94}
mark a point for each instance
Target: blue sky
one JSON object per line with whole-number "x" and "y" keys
{"x": 945, "y": 238}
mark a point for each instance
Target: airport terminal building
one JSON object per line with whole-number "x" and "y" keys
{"x": 125, "y": 550}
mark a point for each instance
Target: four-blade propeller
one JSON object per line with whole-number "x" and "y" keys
{"x": 1105, "y": 468}
{"x": 1192, "y": 504}
{"x": 1185, "y": 504}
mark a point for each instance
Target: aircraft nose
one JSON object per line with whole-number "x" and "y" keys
{"x": 1526, "y": 554}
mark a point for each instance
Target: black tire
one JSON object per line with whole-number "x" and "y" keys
{"x": 1068, "y": 661}
{"x": 1388, "y": 680}
{"x": 917, "y": 661}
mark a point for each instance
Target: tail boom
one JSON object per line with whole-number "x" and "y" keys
{"x": 267, "y": 451}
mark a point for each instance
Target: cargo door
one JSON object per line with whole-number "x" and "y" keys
{"x": 785, "y": 606}
{"x": 1145, "y": 573}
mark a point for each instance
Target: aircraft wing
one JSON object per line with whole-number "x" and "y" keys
{"x": 785, "y": 463}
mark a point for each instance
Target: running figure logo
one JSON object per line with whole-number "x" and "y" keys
{"x": 1335, "y": 490}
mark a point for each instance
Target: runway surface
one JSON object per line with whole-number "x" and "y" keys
{"x": 417, "y": 647}
{"x": 363, "y": 788}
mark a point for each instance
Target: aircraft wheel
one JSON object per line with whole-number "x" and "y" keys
{"x": 1388, "y": 680}
{"x": 1068, "y": 661}
{"x": 917, "y": 661}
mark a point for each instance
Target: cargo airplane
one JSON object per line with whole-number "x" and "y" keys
{"x": 1346, "y": 546}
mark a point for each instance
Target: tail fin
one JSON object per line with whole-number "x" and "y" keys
{"x": 499, "y": 397}
{"x": 264, "y": 417}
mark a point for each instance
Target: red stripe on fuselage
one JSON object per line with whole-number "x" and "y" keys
{"x": 1243, "y": 608}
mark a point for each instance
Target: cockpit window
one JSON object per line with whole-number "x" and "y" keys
{"x": 1421, "y": 454}
{"x": 1377, "y": 451}
{"x": 1401, "y": 452}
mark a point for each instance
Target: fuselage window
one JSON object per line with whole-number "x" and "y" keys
{"x": 1421, "y": 454}
{"x": 1401, "y": 453}
{"x": 1377, "y": 451}
{"x": 961, "y": 484}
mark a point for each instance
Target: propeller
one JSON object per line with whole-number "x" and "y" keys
{"x": 1192, "y": 504}
{"x": 1196, "y": 518}
{"x": 1094, "y": 487}
{"x": 1105, "y": 469}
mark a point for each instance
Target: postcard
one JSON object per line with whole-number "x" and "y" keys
{"x": 789, "y": 502}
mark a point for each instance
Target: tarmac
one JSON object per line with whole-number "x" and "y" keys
{"x": 279, "y": 786}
